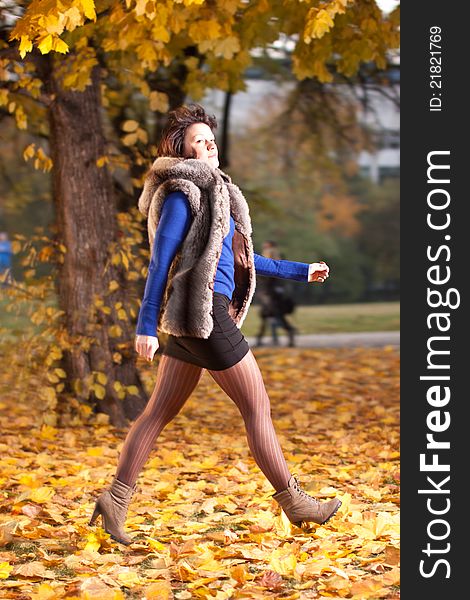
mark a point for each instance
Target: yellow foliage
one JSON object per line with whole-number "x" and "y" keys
{"x": 45, "y": 44}
{"x": 130, "y": 139}
{"x": 88, "y": 7}
{"x": 356, "y": 555}
{"x": 159, "y": 590}
{"x": 5, "y": 570}
{"x": 158, "y": 101}
{"x": 130, "y": 125}
{"x": 97, "y": 451}
{"x": 96, "y": 539}
{"x": 72, "y": 18}
{"x": 129, "y": 578}
{"x": 102, "y": 161}
{"x": 102, "y": 377}
{"x": 44, "y": 592}
{"x": 99, "y": 391}
{"x": 42, "y": 494}
{"x": 48, "y": 433}
{"x": 283, "y": 561}
{"x": 115, "y": 331}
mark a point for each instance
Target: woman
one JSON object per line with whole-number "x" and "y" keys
{"x": 200, "y": 283}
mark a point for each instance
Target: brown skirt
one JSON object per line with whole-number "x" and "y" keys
{"x": 224, "y": 347}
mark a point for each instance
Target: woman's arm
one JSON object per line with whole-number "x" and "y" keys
{"x": 172, "y": 228}
{"x": 288, "y": 269}
{"x": 284, "y": 269}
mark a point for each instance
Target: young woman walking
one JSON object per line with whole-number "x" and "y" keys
{"x": 201, "y": 280}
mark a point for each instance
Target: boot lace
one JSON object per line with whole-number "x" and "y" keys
{"x": 300, "y": 491}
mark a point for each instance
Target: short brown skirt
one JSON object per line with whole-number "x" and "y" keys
{"x": 224, "y": 347}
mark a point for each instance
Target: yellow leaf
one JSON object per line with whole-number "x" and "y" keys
{"x": 3, "y": 97}
{"x": 28, "y": 479}
{"x": 283, "y": 562}
{"x": 160, "y": 33}
{"x": 44, "y": 592}
{"x": 113, "y": 286}
{"x": 88, "y": 9}
{"x": 60, "y": 46}
{"x": 156, "y": 545}
{"x": 227, "y": 47}
{"x": 96, "y": 451}
{"x": 45, "y": 45}
{"x": 133, "y": 390}
{"x": 102, "y": 377}
{"x": 101, "y": 161}
{"x": 73, "y": 18}
{"x": 130, "y": 139}
{"x": 42, "y": 494}
{"x": 97, "y": 538}
{"x": 26, "y": 45}
{"x": 28, "y": 152}
{"x": 115, "y": 331}
{"x": 129, "y": 578}
{"x": 143, "y": 137}
{"x": 48, "y": 433}
{"x": 319, "y": 22}
{"x": 159, "y": 590}
{"x": 125, "y": 260}
{"x": 99, "y": 391}
{"x": 5, "y": 570}
{"x": 130, "y": 126}
{"x": 158, "y": 101}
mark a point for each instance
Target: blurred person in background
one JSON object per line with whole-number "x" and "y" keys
{"x": 275, "y": 302}
{"x": 5, "y": 259}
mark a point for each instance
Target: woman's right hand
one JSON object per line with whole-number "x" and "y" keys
{"x": 146, "y": 346}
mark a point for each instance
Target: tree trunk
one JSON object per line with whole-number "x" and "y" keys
{"x": 224, "y": 143}
{"x": 86, "y": 224}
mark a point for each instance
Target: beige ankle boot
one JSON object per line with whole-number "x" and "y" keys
{"x": 299, "y": 506}
{"x": 112, "y": 505}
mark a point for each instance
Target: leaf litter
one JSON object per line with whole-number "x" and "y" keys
{"x": 203, "y": 519}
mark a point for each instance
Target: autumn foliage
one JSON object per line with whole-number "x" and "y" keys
{"x": 203, "y": 520}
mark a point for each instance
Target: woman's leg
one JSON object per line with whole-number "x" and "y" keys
{"x": 175, "y": 382}
{"x": 244, "y": 384}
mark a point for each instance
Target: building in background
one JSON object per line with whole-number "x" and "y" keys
{"x": 382, "y": 116}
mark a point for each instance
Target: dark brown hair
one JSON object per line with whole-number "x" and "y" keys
{"x": 172, "y": 141}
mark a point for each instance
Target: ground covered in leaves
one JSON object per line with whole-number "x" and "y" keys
{"x": 203, "y": 520}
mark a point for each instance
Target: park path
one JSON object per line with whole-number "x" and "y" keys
{"x": 338, "y": 340}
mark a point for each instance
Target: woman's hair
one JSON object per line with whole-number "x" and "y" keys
{"x": 172, "y": 141}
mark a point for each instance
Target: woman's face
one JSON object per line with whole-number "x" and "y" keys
{"x": 199, "y": 142}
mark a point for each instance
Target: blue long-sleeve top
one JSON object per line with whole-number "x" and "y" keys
{"x": 172, "y": 228}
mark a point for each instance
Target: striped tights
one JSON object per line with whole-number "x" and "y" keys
{"x": 176, "y": 380}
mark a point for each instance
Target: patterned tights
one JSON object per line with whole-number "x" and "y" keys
{"x": 176, "y": 380}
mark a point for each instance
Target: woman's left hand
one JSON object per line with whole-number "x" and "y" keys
{"x": 318, "y": 271}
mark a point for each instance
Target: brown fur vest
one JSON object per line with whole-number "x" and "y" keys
{"x": 187, "y": 301}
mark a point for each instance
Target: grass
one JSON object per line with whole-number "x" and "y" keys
{"x": 335, "y": 318}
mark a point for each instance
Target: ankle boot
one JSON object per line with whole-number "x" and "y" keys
{"x": 112, "y": 505}
{"x": 299, "y": 506}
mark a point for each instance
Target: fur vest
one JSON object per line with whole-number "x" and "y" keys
{"x": 186, "y": 308}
